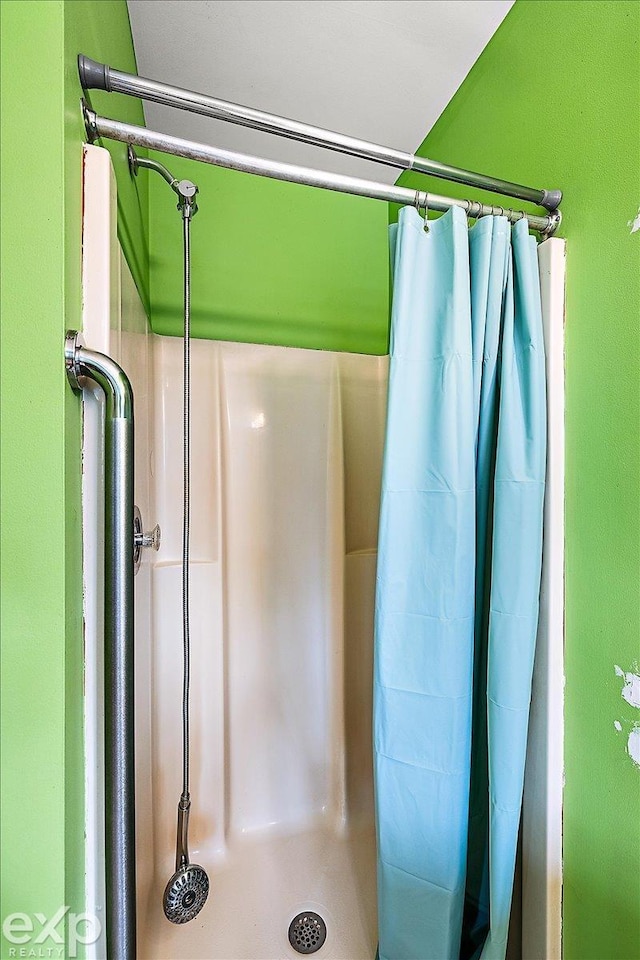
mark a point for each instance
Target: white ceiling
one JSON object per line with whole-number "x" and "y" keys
{"x": 382, "y": 70}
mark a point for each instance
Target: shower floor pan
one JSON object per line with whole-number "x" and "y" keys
{"x": 263, "y": 885}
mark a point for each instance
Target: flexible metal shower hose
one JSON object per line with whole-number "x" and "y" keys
{"x": 186, "y": 516}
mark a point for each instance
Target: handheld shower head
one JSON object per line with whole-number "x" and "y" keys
{"x": 187, "y": 890}
{"x": 186, "y": 893}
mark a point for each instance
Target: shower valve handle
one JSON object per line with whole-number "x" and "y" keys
{"x": 151, "y": 539}
{"x": 142, "y": 540}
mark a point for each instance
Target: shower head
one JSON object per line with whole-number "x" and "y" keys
{"x": 186, "y": 893}
{"x": 187, "y": 890}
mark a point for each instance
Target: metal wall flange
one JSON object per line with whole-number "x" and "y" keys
{"x": 555, "y": 219}
{"x": 132, "y": 160}
{"x": 89, "y": 117}
{"x": 72, "y": 344}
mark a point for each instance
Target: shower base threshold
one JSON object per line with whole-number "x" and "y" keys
{"x": 263, "y": 885}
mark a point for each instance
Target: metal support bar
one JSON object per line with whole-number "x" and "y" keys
{"x": 120, "y": 842}
{"x": 102, "y": 77}
{"x": 142, "y": 137}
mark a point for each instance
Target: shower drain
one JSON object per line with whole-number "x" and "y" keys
{"x": 307, "y": 932}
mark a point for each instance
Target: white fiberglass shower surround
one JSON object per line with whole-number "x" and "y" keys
{"x": 286, "y": 458}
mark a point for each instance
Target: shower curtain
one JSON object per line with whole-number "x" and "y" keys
{"x": 458, "y": 580}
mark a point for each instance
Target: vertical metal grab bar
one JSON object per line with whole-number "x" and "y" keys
{"x": 82, "y": 364}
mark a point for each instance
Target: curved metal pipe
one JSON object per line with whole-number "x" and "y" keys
{"x": 120, "y": 841}
{"x": 136, "y": 163}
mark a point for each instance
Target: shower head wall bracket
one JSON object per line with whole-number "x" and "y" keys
{"x": 187, "y": 205}
{"x": 185, "y": 189}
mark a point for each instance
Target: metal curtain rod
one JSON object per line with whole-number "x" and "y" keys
{"x": 142, "y": 137}
{"x": 100, "y": 76}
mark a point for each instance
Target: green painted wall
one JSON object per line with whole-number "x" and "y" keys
{"x": 41, "y": 617}
{"x": 286, "y": 264}
{"x": 272, "y": 262}
{"x": 100, "y": 29}
{"x": 554, "y": 101}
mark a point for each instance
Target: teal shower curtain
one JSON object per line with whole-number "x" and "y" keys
{"x": 458, "y": 580}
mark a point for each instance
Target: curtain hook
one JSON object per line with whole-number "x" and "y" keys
{"x": 425, "y": 225}
{"x": 417, "y": 204}
{"x": 468, "y": 207}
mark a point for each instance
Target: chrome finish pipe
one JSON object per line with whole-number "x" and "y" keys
{"x": 120, "y": 842}
{"x": 142, "y": 137}
{"x": 549, "y": 199}
{"x": 136, "y": 163}
{"x": 100, "y": 76}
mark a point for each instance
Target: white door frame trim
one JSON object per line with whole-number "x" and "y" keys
{"x": 544, "y": 776}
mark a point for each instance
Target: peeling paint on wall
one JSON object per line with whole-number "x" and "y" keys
{"x": 633, "y": 740}
{"x": 634, "y": 224}
{"x": 631, "y": 688}
{"x": 630, "y": 694}
{"x": 633, "y": 744}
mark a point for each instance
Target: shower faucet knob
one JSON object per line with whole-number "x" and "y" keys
{"x": 150, "y": 539}
{"x": 142, "y": 540}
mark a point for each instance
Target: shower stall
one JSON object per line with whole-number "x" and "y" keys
{"x": 286, "y": 452}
